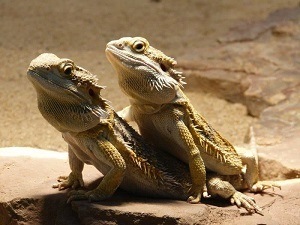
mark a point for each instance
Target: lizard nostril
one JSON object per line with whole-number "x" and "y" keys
{"x": 120, "y": 45}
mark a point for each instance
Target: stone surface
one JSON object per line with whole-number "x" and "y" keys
{"x": 278, "y": 22}
{"x": 27, "y": 198}
{"x": 258, "y": 64}
{"x": 282, "y": 208}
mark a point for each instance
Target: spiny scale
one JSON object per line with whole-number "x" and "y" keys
{"x": 84, "y": 77}
{"x": 177, "y": 76}
{"x": 159, "y": 57}
{"x": 210, "y": 147}
{"x": 147, "y": 168}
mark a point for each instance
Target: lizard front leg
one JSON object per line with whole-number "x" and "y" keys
{"x": 196, "y": 164}
{"x": 74, "y": 180}
{"x": 170, "y": 124}
{"x": 105, "y": 152}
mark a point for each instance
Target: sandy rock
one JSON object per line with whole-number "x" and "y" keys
{"x": 126, "y": 209}
{"x": 278, "y": 140}
{"x": 278, "y": 21}
{"x": 281, "y": 207}
{"x": 259, "y": 73}
{"x": 27, "y": 198}
{"x": 258, "y": 66}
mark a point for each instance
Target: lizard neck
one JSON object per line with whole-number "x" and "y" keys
{"x": 150, "y": 108}
{"x": 145, "y": 108}
{"x": 153, "y": 90}
{"x": 66, "y": 116}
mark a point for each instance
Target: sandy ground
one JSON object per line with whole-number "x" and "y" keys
{"x": 79, "y": 30}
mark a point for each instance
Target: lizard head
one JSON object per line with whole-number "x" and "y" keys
{"x": 145, "y": 74}
{"x": 68, "y": 95}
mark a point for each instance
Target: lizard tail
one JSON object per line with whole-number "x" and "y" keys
{"x": 252, "y": 144}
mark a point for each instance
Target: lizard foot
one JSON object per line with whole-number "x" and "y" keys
{"x": 196, "y": 195}
{"x": 73, "y": 180}
{"x": 92, "y": 196}
{"x": 263, "y": 185}
{"x": 193, "y": 199}
{"x": 242, "y": 200}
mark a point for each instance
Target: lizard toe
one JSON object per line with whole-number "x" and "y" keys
{"x": 206, "y": 195}
{"x": 194, "y": 199}
{"x": 264, "y": 185}
{"x": 242, "y": 200}
{"x": 72, "y": 181}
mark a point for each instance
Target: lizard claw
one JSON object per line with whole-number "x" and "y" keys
{"x": 196, "y": 194}
{"x": 72, "y": 181}
{"x": 263, "y": 185}
{"x": 205, "y": 194}
{"x": 241, "y": 200}
{"x": 194, "y": 199}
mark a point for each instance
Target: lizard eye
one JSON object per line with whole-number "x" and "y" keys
{"x": 139, "y": 46}
{"x": 67, "y": 68}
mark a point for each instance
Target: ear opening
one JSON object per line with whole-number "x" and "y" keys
{"x": 163, "y": 67}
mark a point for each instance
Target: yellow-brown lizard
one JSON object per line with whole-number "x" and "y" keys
{"x": 166, "y": 117}
{"x": 69, "y": 99}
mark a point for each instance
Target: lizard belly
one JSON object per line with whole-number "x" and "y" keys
{"x": 162, "y": 139}
{"x": 137, "y": 183}
{"x": 85, "y": 155}
{"x": 165, "y": 143}
{"x": 134, "y": 181}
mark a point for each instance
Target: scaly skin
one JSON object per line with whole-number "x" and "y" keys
{"x": 69, "y": 99}
{"x": 162, "y": 111}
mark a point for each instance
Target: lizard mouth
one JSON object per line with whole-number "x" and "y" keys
{"x": 41, "y": 81}
{"x": 124, "y": 59}
{"x": 38, "y": 79}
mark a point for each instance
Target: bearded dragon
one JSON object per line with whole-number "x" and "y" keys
{"x": 68, "y": 97}
{"x": 166, "y": 117}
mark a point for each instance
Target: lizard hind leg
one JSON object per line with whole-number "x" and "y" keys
{"x": 218, "y": 185}
{"x": 245, "y": 201}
